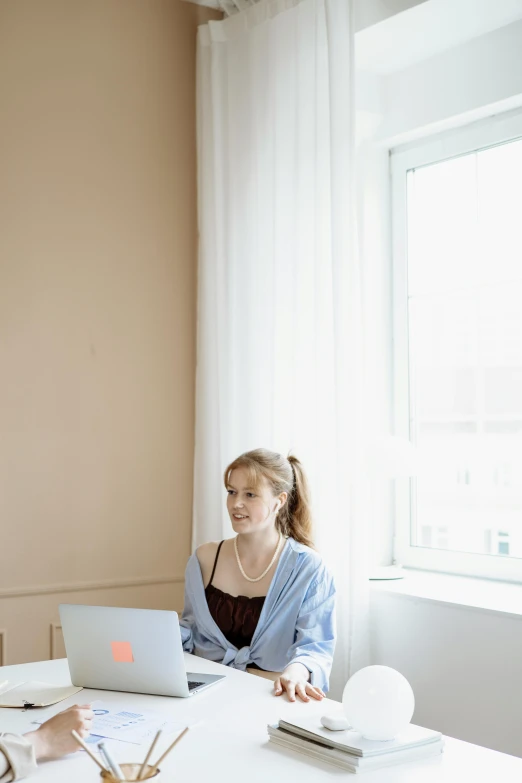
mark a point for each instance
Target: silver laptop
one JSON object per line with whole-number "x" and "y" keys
{"x": 136, "y": 650}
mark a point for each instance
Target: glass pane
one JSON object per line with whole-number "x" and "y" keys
{"x": 465, "y": 348}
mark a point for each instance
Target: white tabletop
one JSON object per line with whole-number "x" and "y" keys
{"x": 230, "y": 743}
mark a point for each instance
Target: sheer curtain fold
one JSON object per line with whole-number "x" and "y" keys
{"x": 279, "y": 348}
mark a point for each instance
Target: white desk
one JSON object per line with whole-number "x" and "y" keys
{"x": 230, "y": 745}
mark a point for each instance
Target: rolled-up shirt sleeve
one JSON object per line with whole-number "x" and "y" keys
{"x": 17, "y": 759}
{"x": 187, "y": 620}
{"x": 315, "y": 630}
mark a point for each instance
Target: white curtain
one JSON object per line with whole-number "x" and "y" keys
{"x": 279, "y": 358}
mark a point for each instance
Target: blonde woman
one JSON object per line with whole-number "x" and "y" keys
{"x": 264, "y": 600}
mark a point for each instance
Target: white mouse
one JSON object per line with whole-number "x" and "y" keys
{"x": 335, "y": 722}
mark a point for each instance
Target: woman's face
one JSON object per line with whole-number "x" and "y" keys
{"x": 250, "y": 509}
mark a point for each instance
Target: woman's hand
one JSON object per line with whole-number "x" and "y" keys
{"x": 53, "y": 739}
{"x": 295, "y": 681}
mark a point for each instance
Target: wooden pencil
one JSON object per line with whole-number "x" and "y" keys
{"x": 147, "y": 757}
{"x": 91, "y": 754}
{"x": 156, "y": 765}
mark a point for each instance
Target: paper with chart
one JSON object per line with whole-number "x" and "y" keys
{"x": 121, "y": 722}
{"x": 127, "y": 724}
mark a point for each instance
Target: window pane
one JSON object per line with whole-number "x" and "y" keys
{"x": 465, "y": 351}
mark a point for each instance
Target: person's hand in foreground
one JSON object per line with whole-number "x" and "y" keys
{"x": 294, "y": 680}
{"x": 54, "y": 739}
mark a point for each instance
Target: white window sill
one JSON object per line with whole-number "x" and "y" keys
{"x": 485, "y": 594}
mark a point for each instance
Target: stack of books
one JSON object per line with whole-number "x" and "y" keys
{"x": 349, "y": 750}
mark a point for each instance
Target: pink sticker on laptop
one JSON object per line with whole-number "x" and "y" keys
{"x": 122, "y": 652}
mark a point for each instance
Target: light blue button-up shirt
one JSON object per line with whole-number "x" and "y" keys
{"x": 297, "y": 622}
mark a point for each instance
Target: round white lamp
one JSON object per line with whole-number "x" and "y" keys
{"x": 378, "y": 702}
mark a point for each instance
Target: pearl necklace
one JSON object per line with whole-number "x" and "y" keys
{"x": 265, "y": 572}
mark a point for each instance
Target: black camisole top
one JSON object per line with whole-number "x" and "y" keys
{"x": 235, "y": 616}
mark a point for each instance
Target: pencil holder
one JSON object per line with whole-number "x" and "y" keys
{"x": 131, "y": 772}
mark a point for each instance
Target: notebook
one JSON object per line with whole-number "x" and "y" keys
{"x": 352, "y": 742}
{"x": 34, "y": 694}
{"x": 348, "y": 761}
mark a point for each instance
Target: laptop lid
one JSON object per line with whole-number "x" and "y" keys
{"x": 136, "y": 650}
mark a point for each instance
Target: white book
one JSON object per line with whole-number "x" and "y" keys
{"x": 34, "y": 694}
{"x": 347, "y": 761}
{"x": 351, "y": 741}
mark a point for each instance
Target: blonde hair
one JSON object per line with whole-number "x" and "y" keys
{"x": 283, "y": 475}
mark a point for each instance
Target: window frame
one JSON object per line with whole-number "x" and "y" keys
{"x": 494, "y": 130}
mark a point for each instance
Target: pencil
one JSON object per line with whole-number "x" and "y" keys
{"x": 156, "y": 765}
{"x": 149, "y": 754}
{"x": 91, "y": 754}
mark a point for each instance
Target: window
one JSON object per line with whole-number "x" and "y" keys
{"x": 457, "y": 254}
{"x": 503, "y": 544}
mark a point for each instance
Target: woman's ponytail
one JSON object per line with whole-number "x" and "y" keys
{"x": 295, "y": 517}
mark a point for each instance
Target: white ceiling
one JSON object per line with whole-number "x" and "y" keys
{"x": 427, "y": 29}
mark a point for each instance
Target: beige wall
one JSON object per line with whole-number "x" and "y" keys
{"x": 97, "y": 307}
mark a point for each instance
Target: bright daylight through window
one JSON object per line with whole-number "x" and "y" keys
{"x": 463, "y": 354}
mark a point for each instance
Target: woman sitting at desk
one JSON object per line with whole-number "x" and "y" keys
{"x": 264, "y": 600}
{"x": 19, "y": 754}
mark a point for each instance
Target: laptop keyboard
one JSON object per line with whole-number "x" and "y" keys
{"x": 193, "y": 684}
